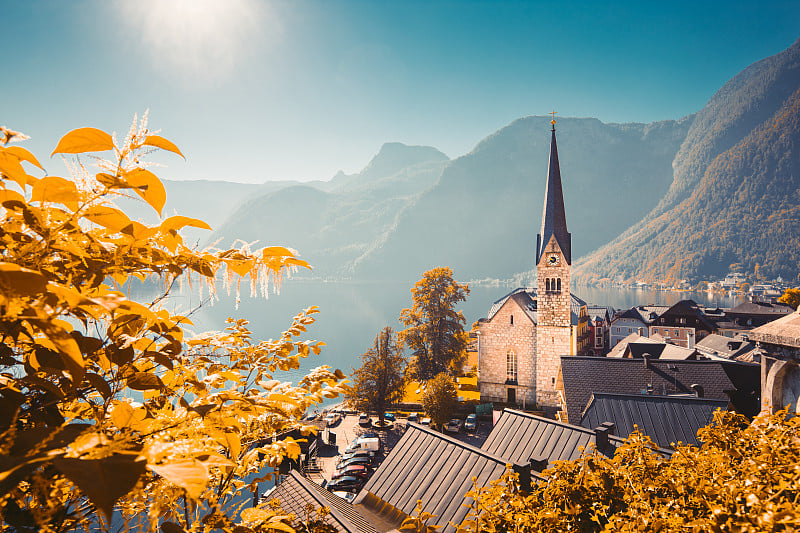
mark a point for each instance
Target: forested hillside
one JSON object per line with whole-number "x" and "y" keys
{"x": 735, "y": 192}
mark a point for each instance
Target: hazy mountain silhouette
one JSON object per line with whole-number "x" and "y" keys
{"x": 734, "y": 195}
{"x": 483, "y": 214}
{"x": 331, "y": 228}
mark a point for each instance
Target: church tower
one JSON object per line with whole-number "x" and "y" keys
{"x": 553, "y": 261}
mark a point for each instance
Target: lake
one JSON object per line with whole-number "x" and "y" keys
{"x": 352, "y": 314}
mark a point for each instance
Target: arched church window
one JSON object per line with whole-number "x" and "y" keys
{"x": 558, "y": 285}
{"x": 547, "y": 285}
{"x": 511, "y": 366}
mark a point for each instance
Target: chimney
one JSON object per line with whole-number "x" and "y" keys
{"x": 698, "y": 390}
{"x": 646, "y": 358}
{"x": 611, "y": 426}
{"x": 538, "y": 463}
{"x": 601, "y": 437}
{"x": 524, "y": 473}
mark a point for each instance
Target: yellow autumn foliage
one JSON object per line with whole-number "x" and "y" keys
{"x": 107, "y": 407}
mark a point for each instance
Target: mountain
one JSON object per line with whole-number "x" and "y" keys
{"x": 482, "y": 215}
{"x": 332, "y": 226}
{"x": 735, "y": 191}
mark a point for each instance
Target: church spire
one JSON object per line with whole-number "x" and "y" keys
{"x": 554, "y": 219}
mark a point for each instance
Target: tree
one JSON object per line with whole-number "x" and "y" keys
{"x": 379, "y": 380}
{"x": 791, "y": 297}
{"x": 106, "y": 404}
{"x": 742, "y": 478}
{"x": 434, "y": 329}
{"x": 440, "y": 398}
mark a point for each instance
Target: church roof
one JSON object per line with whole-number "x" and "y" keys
{"x": 526, "y": 299}
{"x": 554, "y": 219}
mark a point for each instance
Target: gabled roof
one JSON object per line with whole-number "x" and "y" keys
{"x": 599, "y": 311}
{"x": 689, "y": 308}
{"x": 658, "y": 350}
{"x": 776, "y": 310}
{"x": 297, "y": 491}
{"x": 782, "y": 332}
{"x": 622, "y": 346}
{"x": 720, "y": 380}
{"x": 520, "y": 437}
{"x": 525, "y": 297}
{"x": 434, "y": 468}
{"x": 554, "y": 219}
{"x": 665, "y": 419}
{"x": 728, "y": 347}
{"x": 643, "y": 313}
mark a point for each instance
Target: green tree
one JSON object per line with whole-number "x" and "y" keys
{"x": 434, "y": 329}
{"x": 791, "y": 297}
{"x": 379, "y": 381}
{"x": 440, "y": 399}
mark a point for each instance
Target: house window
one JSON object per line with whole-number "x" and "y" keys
{"x": 511, "y": 366}
{"x": 677, "y": 333}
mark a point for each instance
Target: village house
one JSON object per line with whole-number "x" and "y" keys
{"x": 683, "y": 324}
{"x": 634, "y": 320}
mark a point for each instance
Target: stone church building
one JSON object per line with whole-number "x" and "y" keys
{"x": 521, "y": 342}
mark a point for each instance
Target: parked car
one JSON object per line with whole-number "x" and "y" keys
{"x": 346, "y": 496}
{"x": 369, "y": 435}
{"x": 413, "y": 417}
{"x": 425, "y": 421}
{"x": 471, "y": 423}
{"x": 357, "y": 453}
{"x": 454, "y": 426}
{"x": 332, "y": 418}
{"x": 389, "y": 417}
{"x": 364, "y": 461}
{"x": 363, "y": 419}
{"x": 361, "y": 471}
{"x": 346, "y": 483}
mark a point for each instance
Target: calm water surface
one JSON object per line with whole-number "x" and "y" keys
{"x": 351, "y": 314}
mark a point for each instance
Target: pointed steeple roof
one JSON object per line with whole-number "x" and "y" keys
{"x": 554, "y": 219}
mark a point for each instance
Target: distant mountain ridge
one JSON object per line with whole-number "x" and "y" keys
{"x": 734, "y": 195}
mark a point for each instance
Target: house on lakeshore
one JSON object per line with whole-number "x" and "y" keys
{"x": 634, "y": 320}
{"x": 599, "y": 323}
{"x": 683, "y": 324}
{"x": 528, "y": 330}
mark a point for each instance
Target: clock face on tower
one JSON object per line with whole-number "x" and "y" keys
{"x": 553, "y": 259}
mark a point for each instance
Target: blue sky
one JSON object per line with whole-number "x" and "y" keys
{"x": 255, "y": 90}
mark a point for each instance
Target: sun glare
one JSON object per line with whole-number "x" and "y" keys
{"x": 198, "y": 38}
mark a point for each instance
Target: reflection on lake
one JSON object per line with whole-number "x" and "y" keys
{"x": 351, "y": 314}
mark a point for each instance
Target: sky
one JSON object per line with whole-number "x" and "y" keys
{"x": 256, "y": 90}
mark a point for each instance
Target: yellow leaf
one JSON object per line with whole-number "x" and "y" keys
{"x": 178, "y": 222}
{"x": 148, "y": 186}
{"x": 122, "y": 415}
{"x": 58, "y": 190}
{"x": 84, "y": 140}
{"x": 11, "y": 168}
{"x": 23, "y": 155}
{"x": 108, "y": 217}
{"x": 16, "y": 280}
{"x": 68, "y": 349}
{"x": 192, "y": 476}
{"x": 161, "y": 142}
{"x": 234, "y": 444}
{"x": 6, "y": 195}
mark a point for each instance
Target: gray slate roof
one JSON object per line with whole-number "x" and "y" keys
{"x": 721, "y": 380}
{"x": 526, "y": 298}
{"x": 297, "y": 491}
{"x": 520, "y": 437}
{"x": 730, "y": 348}
{"x": 435, "y": 468}
{"x": 665, "y": 419}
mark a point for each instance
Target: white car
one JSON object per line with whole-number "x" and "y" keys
{"x": 332, "y": 418}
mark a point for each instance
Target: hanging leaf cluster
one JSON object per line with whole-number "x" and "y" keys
{"x": 106, "y": 405}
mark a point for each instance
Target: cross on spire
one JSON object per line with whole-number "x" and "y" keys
{"x": 553, "y": 122}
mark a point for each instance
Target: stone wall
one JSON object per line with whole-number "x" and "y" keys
{"x": 497, "y": 337}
